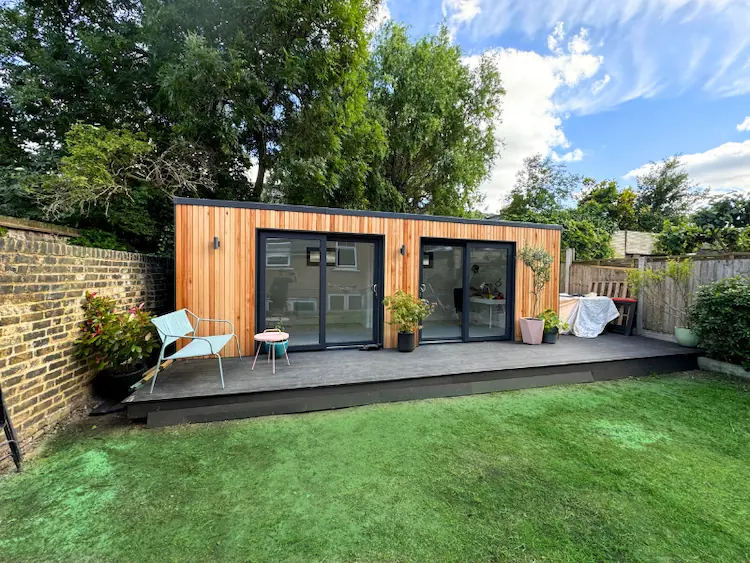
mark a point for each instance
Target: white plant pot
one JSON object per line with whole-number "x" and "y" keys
{"x": 532, "y": 330}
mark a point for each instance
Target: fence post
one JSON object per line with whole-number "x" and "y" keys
{"x": 641, "y": 306}
{"x": 570, "y": 255}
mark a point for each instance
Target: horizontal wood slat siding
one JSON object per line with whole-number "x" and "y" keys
{"x": 220, "y": 284}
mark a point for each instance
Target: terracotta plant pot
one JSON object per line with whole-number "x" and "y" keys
{"x": 550, "y": 336}
{"x": 686, "y": 337}
{"x": 406, "y": 341}
{"x": 532, "y": 330}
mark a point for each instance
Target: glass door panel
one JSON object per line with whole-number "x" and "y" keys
{"x": 488, "y": 285}
{"x": 291, "y": 276}
{"x": 351, "y": 303}
{"x": 442, "y": 285}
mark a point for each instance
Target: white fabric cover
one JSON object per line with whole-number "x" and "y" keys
{"x": 587, "y": 316}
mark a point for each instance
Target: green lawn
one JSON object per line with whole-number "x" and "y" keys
{"x": 635, "y": 470}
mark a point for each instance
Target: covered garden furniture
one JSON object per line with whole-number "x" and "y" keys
{"x": 173, "y": 326}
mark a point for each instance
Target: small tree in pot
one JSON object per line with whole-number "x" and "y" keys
{"x": 539, "y": 261}
{"x": 407, "y": 312}
{"x": 116, "y": 344}
{"x": 677, "y": 300}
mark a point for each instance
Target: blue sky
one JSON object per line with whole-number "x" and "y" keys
{"x": 610, "y": 85}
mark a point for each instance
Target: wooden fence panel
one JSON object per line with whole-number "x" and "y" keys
{"x": 583, "y": 275}
{"x": 659, "y": 316}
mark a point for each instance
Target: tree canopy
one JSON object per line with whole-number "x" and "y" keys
{"x": 286, "y": 100}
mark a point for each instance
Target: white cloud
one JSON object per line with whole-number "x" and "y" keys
{"x": 726, "y": 167}
{"x": 532, "y": 120}
{"x": 555, "y": 38}
{"x": 651, "y": 47}
{"x": 573, "y": 156}
{"x": 460, "y": 12}
{"x": 745, "y": 125}
{"x": 599, "y": 85}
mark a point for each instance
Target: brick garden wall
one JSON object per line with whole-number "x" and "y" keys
{"x": 42, "y": 284}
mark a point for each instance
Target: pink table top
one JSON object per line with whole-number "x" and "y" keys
{"x": 272, "y": 336}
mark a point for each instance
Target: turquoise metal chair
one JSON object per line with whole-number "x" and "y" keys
{"x": 173, "y": 326}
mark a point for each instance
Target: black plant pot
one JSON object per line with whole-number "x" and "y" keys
{"x": 550, "y": 336}
{"x": 115, "y": 386}
{"x": 405, "y": 341}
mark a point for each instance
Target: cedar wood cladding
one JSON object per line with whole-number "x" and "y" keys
{"x": 220, "y": 284}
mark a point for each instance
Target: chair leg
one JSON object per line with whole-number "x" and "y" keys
{"x": 156, "y": 371}
{"x": 221, "y": 371}
{"x": 237, "y": 341}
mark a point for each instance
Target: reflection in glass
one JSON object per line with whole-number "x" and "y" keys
{"x": 292, "y": 282}
{"x": 442, "y": 279}
{"x": 487, "y": 289}
{"x": 350, "y": 276}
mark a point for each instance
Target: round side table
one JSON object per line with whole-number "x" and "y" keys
{"x": 271, "y": 338}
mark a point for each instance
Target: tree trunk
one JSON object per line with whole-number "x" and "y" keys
{"x": 258, "y": 188}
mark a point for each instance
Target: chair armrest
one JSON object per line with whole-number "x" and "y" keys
{"x": 199, "y": 320}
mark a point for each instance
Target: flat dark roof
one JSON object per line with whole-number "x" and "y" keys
{"x": 356, "y": 212}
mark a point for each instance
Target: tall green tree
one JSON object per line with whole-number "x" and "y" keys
{"x": 542, "y": 186}
{"x": 544, "y": 193}
{"x": 666, "y": 192}
{"x": 732, "y": 210}
{"x": 250, "y": 74}
{"x": 439, "y": 118}
{"x": 605, "y": 200}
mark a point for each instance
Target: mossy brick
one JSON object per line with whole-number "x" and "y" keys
{"x": 18, "y": 358}
{"x": 33, "y": 335}
{"x": 37, "y": 373}
{"x": 9, "y": 320}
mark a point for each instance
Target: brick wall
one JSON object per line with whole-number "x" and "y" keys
{"x": 42, "y": 284}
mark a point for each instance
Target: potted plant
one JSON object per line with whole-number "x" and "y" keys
{"x": 678, "y": 299}
{"x": 281, "y": 347}
{"x": 552, "y": 326}
{"x": 117, "y": 345}
{"x": 407, "y": 312}
{"x": 539, "y": 261}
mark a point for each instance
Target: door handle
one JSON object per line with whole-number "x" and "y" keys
{"x": 423, "y": 288}
{"x": 375, "y": 289}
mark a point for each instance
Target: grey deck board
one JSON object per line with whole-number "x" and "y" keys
{"x": 200, "y": 378}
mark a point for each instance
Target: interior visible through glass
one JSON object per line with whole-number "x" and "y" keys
{"x": 292, "y": 282}
{"x": 350, "y": 275}
{"x": 442, "y": 285}
{"x": 487, "y": 290}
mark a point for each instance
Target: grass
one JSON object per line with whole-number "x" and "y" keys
{"x": 656, "y": 469}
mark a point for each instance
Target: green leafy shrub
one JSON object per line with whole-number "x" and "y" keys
{"x": 96, "y": 238}
{"x": 3, "y": 231}
{"x": 114, "y": 340}
{"x": 407, "y": 311}
{"x": 721, "y": 318}
{"x": 551, "y": 320}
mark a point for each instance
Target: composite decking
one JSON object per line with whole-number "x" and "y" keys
{"x": 190, "y": 391}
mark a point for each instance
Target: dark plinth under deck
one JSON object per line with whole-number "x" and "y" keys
{"x": 190, "y": 391}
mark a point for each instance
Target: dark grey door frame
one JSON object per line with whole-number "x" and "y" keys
{"x": 322, "y": 238}
{"x": 467, "y": 245}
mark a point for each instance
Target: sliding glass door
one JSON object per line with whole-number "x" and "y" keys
{"x": 442, "y": 286}
{"x": 470, "y": 285}
{"x": 324, "y": 290}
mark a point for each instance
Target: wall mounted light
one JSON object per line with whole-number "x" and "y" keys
{"x": 403, "y": 250}
{"x": 217, "y": 243}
